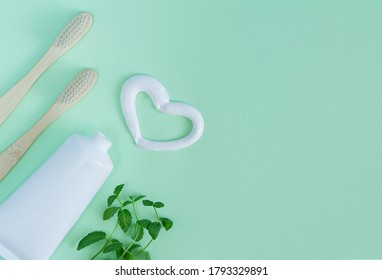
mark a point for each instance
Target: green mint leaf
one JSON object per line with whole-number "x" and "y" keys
{"x": 115, "y": 245}
{"x": 147, "y": 256}
{"x": 134, "y": 250}
{"x": 91, "y": 238}
{"x": 147, "y": 203}
{"x": 118, "y": 189}
{"x": 154, "y": 229}
{"x": 136, "y": 232}
{"x": 124, "y": 219}
{"x": 139, "y": 197}
{"x": 127, "y": 202}
{"x": 110, "y": 212}
{"x": 144, "y": 223}
{"x": 119, "y": 253}
{"x": 158, "y": 204}
{"x": 167, "y": 223}
{"x": 111, "y": 199}
{"x": 127, "y": 256}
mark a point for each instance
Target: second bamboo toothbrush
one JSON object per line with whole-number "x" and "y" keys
{"x": 73, "y": 93}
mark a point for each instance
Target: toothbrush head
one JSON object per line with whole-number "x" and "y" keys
{"x": 78, "y": 87}
{"x": 74, "y": 31}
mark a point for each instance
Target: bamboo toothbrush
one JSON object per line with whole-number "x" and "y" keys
{"x": 73, "y": 93}
{"x": 68, "y": 37}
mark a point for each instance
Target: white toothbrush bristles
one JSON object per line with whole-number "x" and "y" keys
{"x": 79, "y": 86}
{"x": 74, "y": 31}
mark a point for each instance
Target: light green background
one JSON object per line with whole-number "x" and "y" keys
{"x": 289, "y": 166}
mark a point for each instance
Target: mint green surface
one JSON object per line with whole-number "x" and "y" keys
{"x": 289, "y": 166}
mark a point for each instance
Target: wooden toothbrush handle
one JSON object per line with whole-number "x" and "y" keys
{"x": 12, "y": 98}
{"x": 72, "y": 94}
{"x": 15, "y": 151}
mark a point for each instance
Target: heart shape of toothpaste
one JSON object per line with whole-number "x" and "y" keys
{"x": 161, "y": 101}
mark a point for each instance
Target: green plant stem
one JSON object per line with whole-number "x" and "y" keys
{"x": 120, "y": 202}
{"x": 134, "y": 241}
{"x": 108, "y": 239}
{"x": 156, "y": 213}
{"x": 135, "y": 210}
{"x": 127, "y": 249}
{"x": 144, "y": 248}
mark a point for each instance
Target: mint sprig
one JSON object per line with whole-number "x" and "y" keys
{"x": 132, "y": 226}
